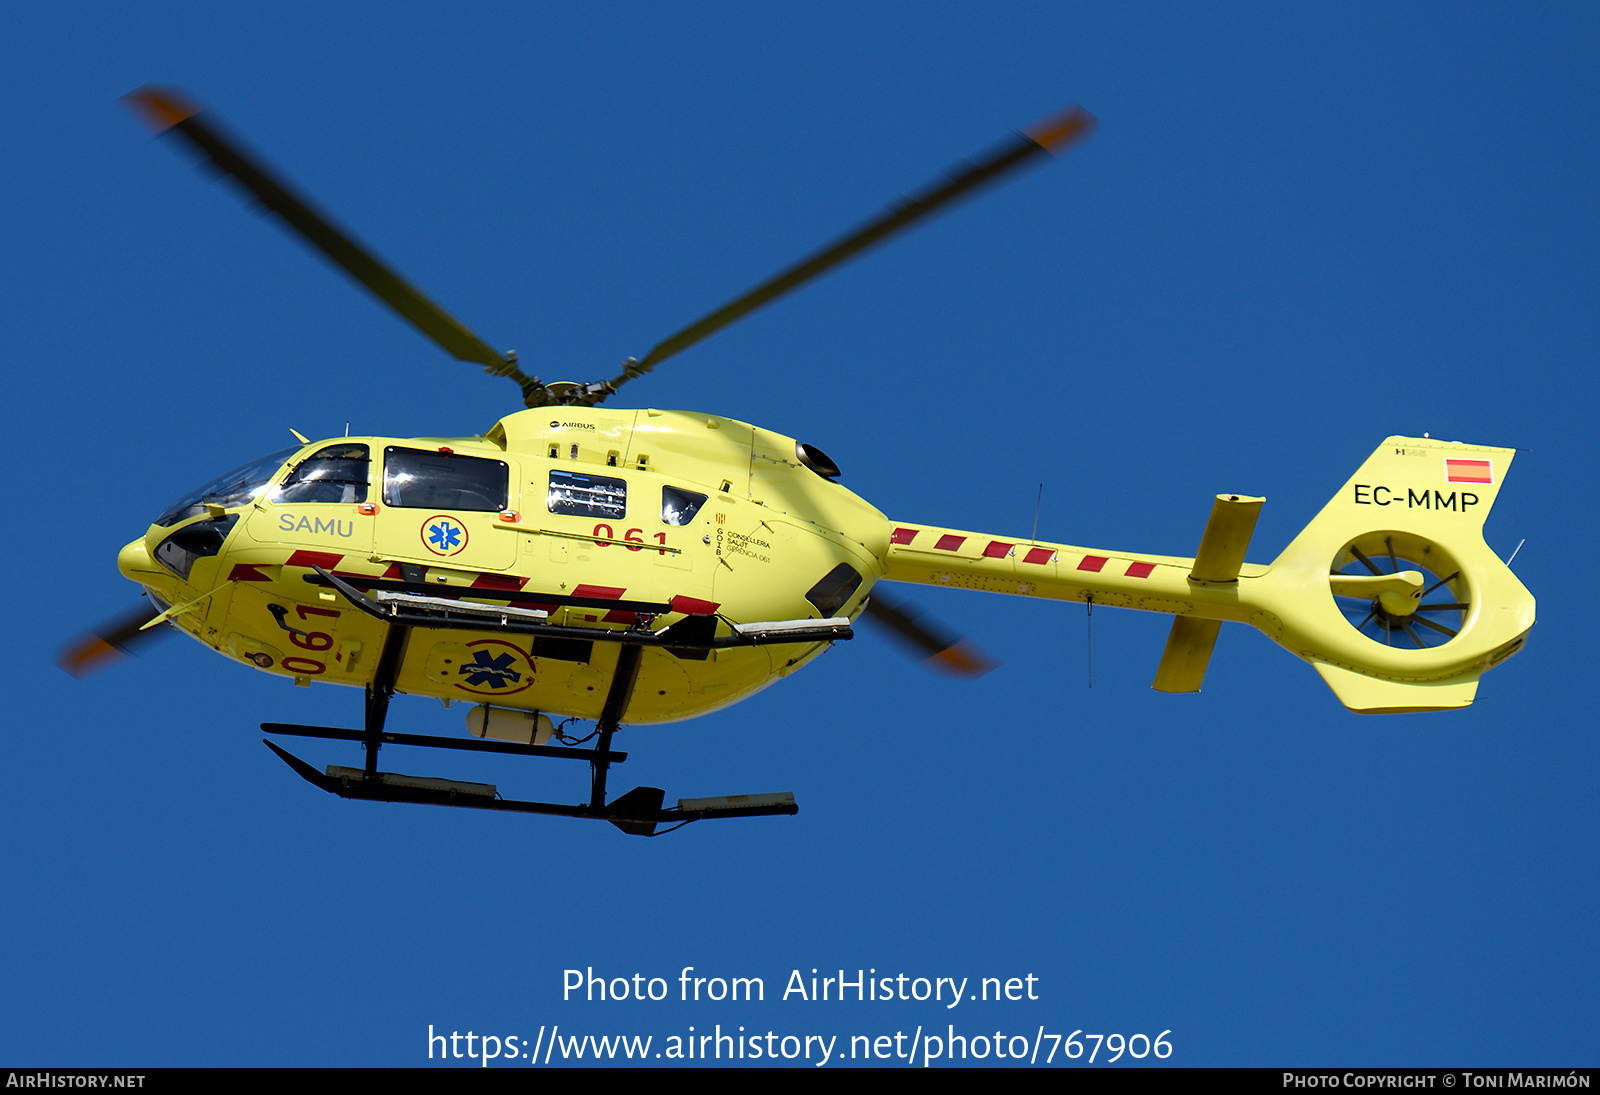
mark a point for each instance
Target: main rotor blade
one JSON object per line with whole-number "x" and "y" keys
{"x": 1053, "y": 135}
{"x": 166, "y": 110}
{"x": 950, "y": 654}
{"x": 110, "y": 641}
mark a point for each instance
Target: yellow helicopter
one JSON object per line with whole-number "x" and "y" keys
{"x": 579, "y": 562}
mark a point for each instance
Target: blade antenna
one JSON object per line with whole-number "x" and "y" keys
{"x": 165, "y": 110}
{"x": 1052, "y": 136}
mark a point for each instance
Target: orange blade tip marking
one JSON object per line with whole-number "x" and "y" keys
{"x": 161, "y": 108}
{"x": 86, "y": 656}
{"x": 1054, "y": 134}
{"x": 963, "y": 660}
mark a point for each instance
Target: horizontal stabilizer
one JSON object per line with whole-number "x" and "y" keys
{"x": 1219, "y": 559}
{"x": 1227, "y": 537}
{"x": 1183, "y": 664}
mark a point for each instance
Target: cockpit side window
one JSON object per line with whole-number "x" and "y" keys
{"x": 418, "y": 479}
{"x": 678, "y": 507}
{"x": 200, "y": 540}
{"x": 335, "y": 473}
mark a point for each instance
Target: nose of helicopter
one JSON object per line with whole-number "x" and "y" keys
{"x": 134, "y": 561}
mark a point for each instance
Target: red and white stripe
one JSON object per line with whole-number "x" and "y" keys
{"x": 904, "y": 535}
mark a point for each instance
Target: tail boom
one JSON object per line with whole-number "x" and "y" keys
{"x": 1413, "y": 499}
{"x": 955, "y": 559}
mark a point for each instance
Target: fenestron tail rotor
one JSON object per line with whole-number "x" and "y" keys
{"x": 1400, "y": 590}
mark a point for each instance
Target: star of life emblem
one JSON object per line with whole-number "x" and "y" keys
{"x": 443, "y": 535}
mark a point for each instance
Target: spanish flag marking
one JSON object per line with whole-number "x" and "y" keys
{"x": 1468, "y": 471}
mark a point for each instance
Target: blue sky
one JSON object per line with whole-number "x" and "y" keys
{"x": 1296, "y": 231}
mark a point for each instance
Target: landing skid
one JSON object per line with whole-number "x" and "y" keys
{"x": 639, "y": 812}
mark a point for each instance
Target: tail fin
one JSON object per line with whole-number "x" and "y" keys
{"x": 1427, "y": 606}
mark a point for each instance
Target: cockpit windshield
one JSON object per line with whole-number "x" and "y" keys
{"x": 239, "y": 486}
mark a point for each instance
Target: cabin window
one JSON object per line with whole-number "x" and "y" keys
{"x": 419, "y": 479}
{"x": 336, "y": 473}
{"x": 574, "y": 494}
{"x": 678, "y": 507}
